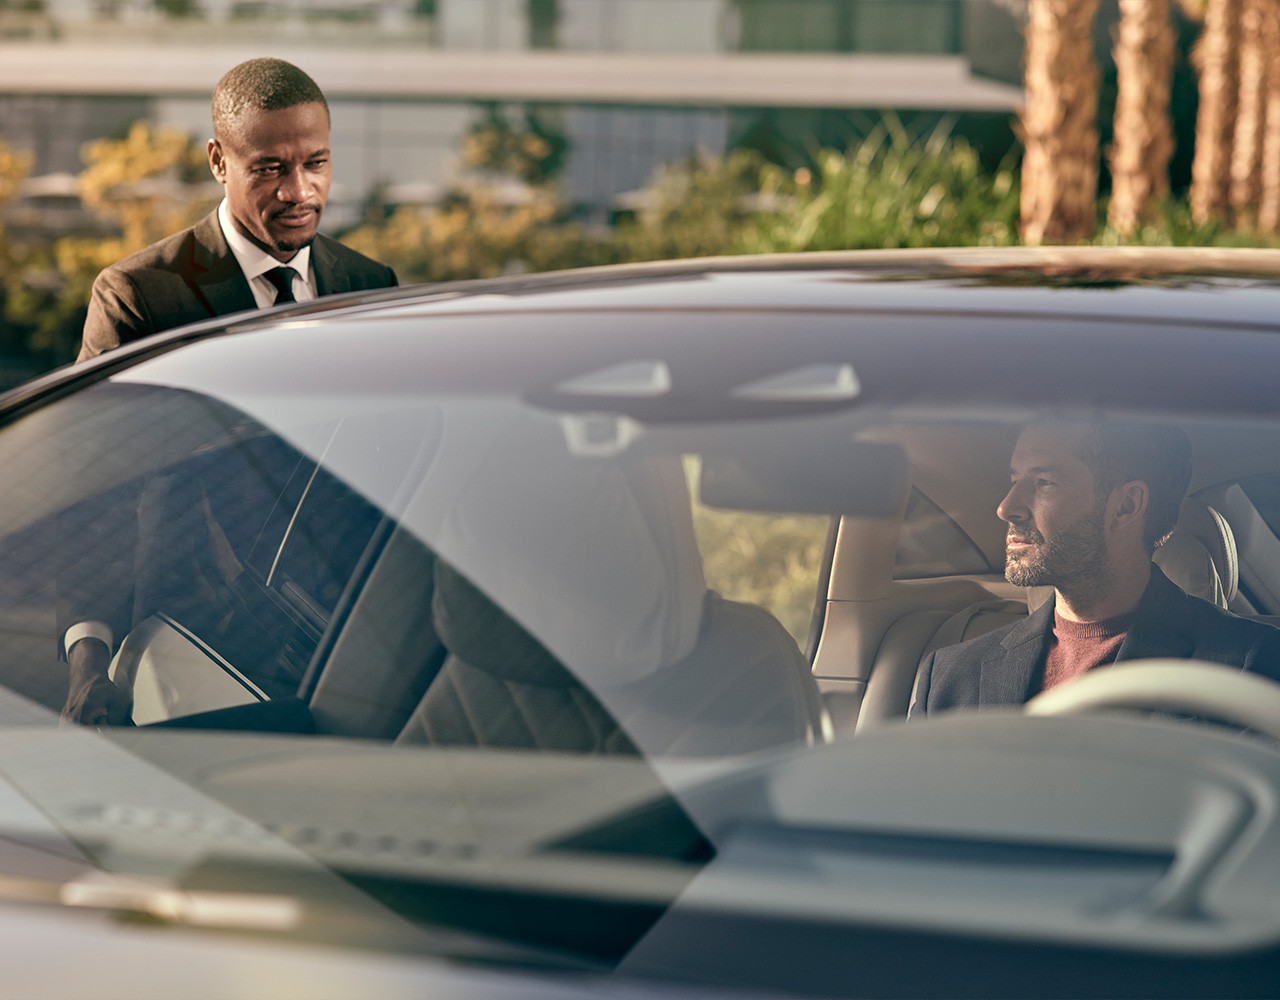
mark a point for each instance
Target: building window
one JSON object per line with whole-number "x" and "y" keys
{"x": 544, "y": 20}
{"x": 871, "y": 26}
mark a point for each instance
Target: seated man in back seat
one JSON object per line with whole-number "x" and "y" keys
{"x": 1088, "y": 505}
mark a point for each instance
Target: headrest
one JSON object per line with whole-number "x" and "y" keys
{"x": 593, "y": 556}
{"x": 479, "y": 632}
{"x": 1200, "y": 555}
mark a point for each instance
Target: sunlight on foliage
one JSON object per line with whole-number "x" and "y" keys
{"x": 141, "y": 182}
{"x": 148, "y": 186}
{"x": 474, "y": 234}
{"x": 693, "y": 208}
{"x": 507, "y": 215}
{"x": 531, "y": 154}
{"x": 889, "y": 191}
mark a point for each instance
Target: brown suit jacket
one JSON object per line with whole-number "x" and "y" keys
{"x": 192, "y": 276}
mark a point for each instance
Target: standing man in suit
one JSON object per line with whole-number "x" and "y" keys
{"x": 270, "y": 151}
{"x": 1088, "y": 505}
{"x": 260, "y": 248}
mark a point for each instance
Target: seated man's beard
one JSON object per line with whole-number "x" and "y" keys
{"x": 1076, "y": 556}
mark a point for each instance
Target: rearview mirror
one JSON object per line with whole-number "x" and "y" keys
{"x": 859, "y": 478}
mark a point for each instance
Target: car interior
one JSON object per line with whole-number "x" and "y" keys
{"x": 575, "y": 615}
{"x": 879, "y": 624}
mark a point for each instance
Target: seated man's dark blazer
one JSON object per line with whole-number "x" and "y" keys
{"x": 1005, "y": 666}
{"x": 192, "y": 276}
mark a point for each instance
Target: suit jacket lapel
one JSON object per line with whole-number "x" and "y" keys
{"x": 330, "y": 279}
{"x": 1007, "y": 680}
{"x": 1160, "y": 625}
{"x": 218, "y": 279}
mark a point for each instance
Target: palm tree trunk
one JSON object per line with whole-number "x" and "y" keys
{"x": 1216, "y": 56}
{"x": 1269, "y": 204}
{"x": 1246, "y": 152}
{"x": 1059, "y": 123}
{"x": 1143, "y": 142}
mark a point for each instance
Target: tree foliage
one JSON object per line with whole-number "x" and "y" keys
{"x": 146, "y": 185}
{"x": 142, "y": 182}
{"x": 477, "y": 232}
{"x": 695, "y": 208}
{"x": 891, "y": 190}
{"x": 14, "y": 166}
{"x": 533, "y": 153}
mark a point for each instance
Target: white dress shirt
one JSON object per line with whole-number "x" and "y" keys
{"x": 255, "y": 262}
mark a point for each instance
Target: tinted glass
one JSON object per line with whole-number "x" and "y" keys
{"x": 446, "y": 654}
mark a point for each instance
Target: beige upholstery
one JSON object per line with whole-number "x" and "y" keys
{"x": 1258, "y": 551}
{"x": 1200, "y": 555}
{"x": 914, "y": 637}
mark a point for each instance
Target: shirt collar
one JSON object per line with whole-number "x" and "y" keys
{"x": 253, "y": 260}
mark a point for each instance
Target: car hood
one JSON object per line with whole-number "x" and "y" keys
{"x": 265, "y": 852}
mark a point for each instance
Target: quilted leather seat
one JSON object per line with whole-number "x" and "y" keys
{"x": 500, "y": 687}
{"x": 743, "y": 687}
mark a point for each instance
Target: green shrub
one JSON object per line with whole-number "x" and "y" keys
{"x": 889, "y": 191}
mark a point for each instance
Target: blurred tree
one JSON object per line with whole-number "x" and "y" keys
{"x": 1143, "y": 143}
{"x": 178, "y": 8}
{"x": 1246, "y": 150}
{"x": 692, "y": 209}
{"x": 143, "y": 183}
{"x": 890, "y": 190}
{"x": 147, "y": 184}
{"x": 531, "y": 154}
{"x": 1059, "y": 126}
{"x": 14, "y": 166}
{"x": 1217, "y": 59}
{"x": 477, "y": 232}
{"x": 1269, "y": 179}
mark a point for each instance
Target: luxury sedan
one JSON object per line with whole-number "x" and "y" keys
{"x": 557, "y": 636}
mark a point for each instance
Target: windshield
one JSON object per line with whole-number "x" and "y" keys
{"x": 485, "y": 672}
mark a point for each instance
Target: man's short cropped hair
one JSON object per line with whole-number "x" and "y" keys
{"x": 260, "y": 85}
{"x": 1120, "y": 451}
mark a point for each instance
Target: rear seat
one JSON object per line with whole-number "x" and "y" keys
{"x": 876, "y": 629}
{"x": 1200, "y": 556}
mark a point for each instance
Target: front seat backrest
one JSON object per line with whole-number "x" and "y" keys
{"x": 593, "y": 562}
{"x": 500, "y": 687}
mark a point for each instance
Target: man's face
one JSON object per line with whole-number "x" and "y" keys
{"x": 1055, "y": 517}
{"x": 275, "y": 165}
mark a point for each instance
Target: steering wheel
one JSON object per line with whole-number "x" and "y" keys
{"x": 1191, "y": 687}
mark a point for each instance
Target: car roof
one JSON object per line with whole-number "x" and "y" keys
{"x": 1034, "y": 327}
{"x": 1042, "y": 279}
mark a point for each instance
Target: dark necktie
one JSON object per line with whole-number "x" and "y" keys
{"x": 282, "y": 278}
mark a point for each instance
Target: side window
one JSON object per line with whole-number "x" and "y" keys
{"x": 213, "y": 549}
{"x": 932, "y": 544}
{"x": 275, "y": 539}
{"x": 771, "y": 560}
